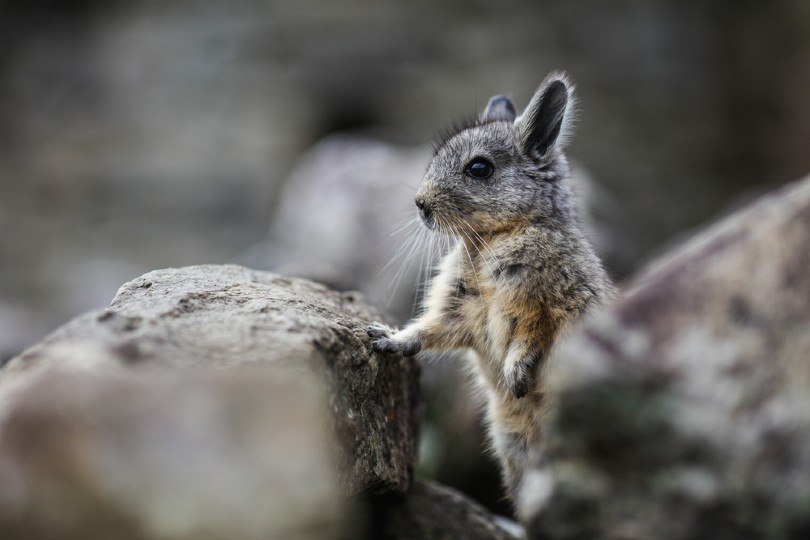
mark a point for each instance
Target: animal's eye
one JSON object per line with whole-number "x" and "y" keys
{"x": 479, "y": 168}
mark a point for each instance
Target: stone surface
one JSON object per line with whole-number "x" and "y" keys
{"x": 202, "y": 404}
{"x": 434, "y": 512}
{"x": 361, "y": 190}
{"x": 683, "y": 411}
{"x": 95, "y": 450}
{"x": 229, "y": 316}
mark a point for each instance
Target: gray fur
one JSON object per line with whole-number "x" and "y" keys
{"x": 522, "y": 271}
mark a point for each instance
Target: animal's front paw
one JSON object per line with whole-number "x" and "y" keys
{"x": 522, "y": 376}
{"x": 379, "y": 330}
{"x": 385, "y": 340}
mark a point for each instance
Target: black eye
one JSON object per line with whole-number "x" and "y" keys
{"x": 479, "y": 168}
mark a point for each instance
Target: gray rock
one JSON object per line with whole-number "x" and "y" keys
{"x": 229, "y": 316}
{"x": 433, "y": 512}
{"x": 91, "y": 449}
{"x": 125, "y": 423}
{"x": 342, "y": 219}
{"x": 683, "y": 411}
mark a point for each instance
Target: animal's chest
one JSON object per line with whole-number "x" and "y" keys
{"x": 482, "y": 309}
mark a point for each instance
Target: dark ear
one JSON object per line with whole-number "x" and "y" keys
{"x": 499, "y": 108}
{"x": 543, "y": 126}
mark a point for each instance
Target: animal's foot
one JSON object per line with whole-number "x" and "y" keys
{"x": 386, "y": 340}
{"x": 521, "y": 376}
{"x": 379, "y": 330}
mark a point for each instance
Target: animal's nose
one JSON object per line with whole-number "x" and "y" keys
{"x": 423, "y": 208}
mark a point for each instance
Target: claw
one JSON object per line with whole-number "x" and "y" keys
{"x": 383, "y": 341}
{"x": 378, "y": 330}
{"x": 385, "y": 345}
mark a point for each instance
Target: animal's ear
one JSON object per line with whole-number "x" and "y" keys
{"x": 545, "y": 124}
{"x": 499, "y": 108}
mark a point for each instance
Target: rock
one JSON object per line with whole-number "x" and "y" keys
{"x": 125, "y": 422}
{"x": 96, "y": 450}
{"x": 432, "y": 512}
{"x": 683, "y": 410}
{"x": 361, "y": 191}
{"x": 229, "y": 316}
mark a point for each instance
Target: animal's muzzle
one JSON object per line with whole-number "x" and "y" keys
{"x": 426, "y": 213}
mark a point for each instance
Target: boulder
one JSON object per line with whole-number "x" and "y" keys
{"x": 219, "y": 402}
{"x": 431, "y": 511}
{"x": 683, "y": 410}
{"x": 218, "y": 317}
{"x": 91, "y": 449}
{"x": 360, "y": 191}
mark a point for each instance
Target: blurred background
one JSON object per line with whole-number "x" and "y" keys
{"x": 291, "y": 135}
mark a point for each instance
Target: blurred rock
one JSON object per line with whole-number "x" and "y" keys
{"x": 99, "y": 451}
{"x": 344, "y": 218}
{"x": 683, "y": 411}
{"x": 433, "y": 512}
{"x": 229, "y": 316}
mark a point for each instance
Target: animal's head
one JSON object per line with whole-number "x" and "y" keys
{"x": 501, "y": 170}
